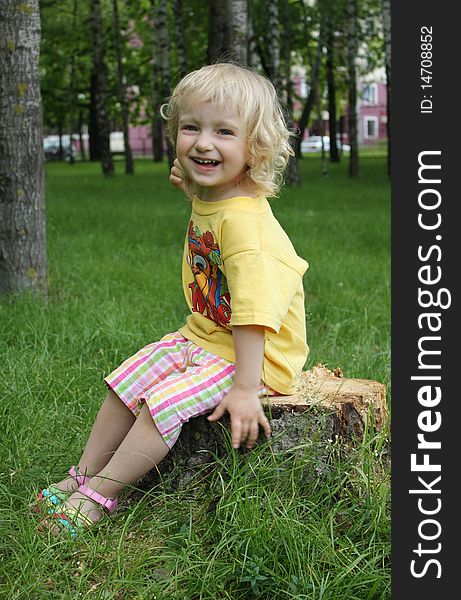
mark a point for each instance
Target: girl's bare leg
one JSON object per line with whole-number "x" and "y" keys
{"x": 113, "y": 422}
{"x": 139, "y": 452}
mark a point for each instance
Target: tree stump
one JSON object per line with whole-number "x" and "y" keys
{"x": 325, "y": 406}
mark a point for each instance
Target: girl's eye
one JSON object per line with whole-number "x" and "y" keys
{"x": 225, "y": 131}
{"x": 189, "y": 127}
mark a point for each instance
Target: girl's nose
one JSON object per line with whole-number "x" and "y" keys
{"x": 204, "y": 142}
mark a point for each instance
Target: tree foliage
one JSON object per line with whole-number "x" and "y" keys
{"x": 191, "y": 29}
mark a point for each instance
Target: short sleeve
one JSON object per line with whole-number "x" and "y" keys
{"x": 261, "y": 288}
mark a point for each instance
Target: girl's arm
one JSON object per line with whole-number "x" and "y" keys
{"x": 242, "y": 402}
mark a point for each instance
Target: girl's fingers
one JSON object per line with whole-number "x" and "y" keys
{"x": 236, "y": 427}
{"x": 244, "y": 434}
{"x": 265, "y": 425}
{"x": 253, "y": 434}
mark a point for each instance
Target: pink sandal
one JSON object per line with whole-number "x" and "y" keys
{"x": 74, "y": 520}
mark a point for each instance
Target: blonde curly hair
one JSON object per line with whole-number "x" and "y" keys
{"x": 255, "y": 100}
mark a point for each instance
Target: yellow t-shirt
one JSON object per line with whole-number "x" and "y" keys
{"x": 240, "y": 268}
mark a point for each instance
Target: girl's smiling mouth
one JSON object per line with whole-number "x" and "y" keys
{"x": 206, "y": 164}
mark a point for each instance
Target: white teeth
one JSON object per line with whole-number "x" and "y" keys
{"x": 204, "y": 161}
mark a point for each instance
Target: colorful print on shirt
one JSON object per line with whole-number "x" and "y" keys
{"x": 210, "y": 294}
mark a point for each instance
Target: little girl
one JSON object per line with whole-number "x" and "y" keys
{"x": 245, "y": 336}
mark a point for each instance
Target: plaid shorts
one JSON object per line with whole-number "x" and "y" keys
{"x": 177, "y": 380}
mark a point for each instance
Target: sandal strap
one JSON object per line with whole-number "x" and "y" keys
{"x": 50, "y": 498}
{"x": 80, "y": 479}
{"x": 109, "y": 504}
{"x": 73, "y": 520}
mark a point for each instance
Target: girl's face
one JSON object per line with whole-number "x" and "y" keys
{"x": 211, "y": 148}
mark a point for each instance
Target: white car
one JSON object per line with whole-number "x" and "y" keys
{"x": 314, "y": 144}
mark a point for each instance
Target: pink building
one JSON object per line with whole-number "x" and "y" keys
{"x": 371, "y": 109}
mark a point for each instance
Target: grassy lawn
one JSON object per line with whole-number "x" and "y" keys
{"x": 263, "y": 526}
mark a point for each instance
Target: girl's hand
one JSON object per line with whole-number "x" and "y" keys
{"x": 177, "y": 176}
{"x": 246, "y": 413}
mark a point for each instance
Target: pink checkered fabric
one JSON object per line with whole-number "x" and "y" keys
{"x": 177, "y": 379}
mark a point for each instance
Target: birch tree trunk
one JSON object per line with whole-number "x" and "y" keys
{"x": 218, "y": 31}
{"x": 386, "y": 9}
{"x": 352, "y": 111}
{"x": 23, "y": 263}
{"x": 273, "y": 45}
{"x": 129, "y": 165}
{"x": 99, "y": 67}
{"x": 238, "y": 30}
{"x": 254, "y": 60}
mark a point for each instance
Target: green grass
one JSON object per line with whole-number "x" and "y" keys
{"x": 263, "y": 526}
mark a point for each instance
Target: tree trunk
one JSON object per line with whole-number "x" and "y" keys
{"x": 129, "y": 165}
{"x": 386, "y": 6}
{"x": 23, "y": 262}
{"x": 164, "y": 47}
{"x": 71, "y": 101}
{"x": 253, "y": 57}
{"x": 157, "y": 126}
{"x": 218, "y": 31}
{"x": 326, "y": 407}
{"x": 93, "y": 124}
{"x": 331, "y": 86}
{"x": 179, "y": 34}
{"x": 273, "y": 46}
{"x": 99, "y": 66}
{"x": 293, "y": 176}
{"x": 352, "y": 110}
{"x": 61, "y": 149}
{"x": 311, "y": 98}
{"x": 238, "y": 30}
{"x": 80, "y": 136}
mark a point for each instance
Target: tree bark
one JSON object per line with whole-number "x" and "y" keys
{"x": 157, "y": 126}
{"x": 311, "y": 98}
{"x": 179, "y": 34}
{"x": 352, "y": 110}
{"x": 100, "y": 79}
{"x": 386, "y": 9}
{"x": 293, "y": 176}
{"x": 121, "y": 88}
{"x": 331, "y": 86}
{"x": 80, "y": 136}
{"x": 273, "y": 46}
{"x": 71, "y": 101}
{"x": 93, "y": 123}
{"x": 23, "y": 262}
{"x": 238, "y": 30}
{"x": 325, "y": 407}
{"x": 253, "y": 57}
{"x": 218, "y": 31}
{"x": 164, "y": 48}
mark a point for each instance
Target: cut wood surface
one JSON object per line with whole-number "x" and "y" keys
{"x": 330, "y": 390}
